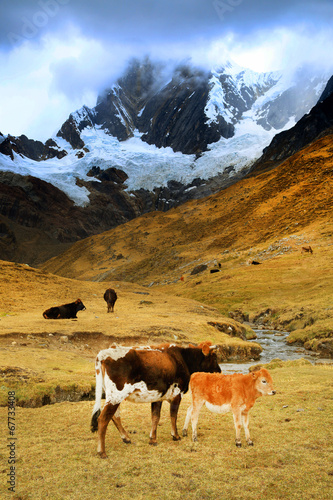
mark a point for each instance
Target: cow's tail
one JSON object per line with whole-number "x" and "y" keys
{"x": 98, "y": 396}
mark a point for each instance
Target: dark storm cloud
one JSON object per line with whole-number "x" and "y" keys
{"x": 147, "y": 22}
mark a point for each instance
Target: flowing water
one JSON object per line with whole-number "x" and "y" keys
{"x": 274, "y": 346}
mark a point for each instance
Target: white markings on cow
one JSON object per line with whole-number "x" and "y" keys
{"x": 136, "y": 393}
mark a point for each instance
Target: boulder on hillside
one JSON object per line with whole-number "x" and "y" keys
{"x": 199, "y": 269}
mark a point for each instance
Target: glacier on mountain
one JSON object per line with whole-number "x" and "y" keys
{"x": 148, "y": 166}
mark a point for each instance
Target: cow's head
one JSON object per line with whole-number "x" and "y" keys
{"x": 206, "y": 361}
{"x": 79, "y": 305}
{"x": 263, "y": 382}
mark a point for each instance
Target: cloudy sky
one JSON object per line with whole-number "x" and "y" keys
{"x": 56, "y": 55}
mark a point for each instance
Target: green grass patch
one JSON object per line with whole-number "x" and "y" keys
{"x": 43, "y": 377}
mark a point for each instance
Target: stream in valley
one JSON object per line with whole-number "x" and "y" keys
{"x": 274, "y": 346}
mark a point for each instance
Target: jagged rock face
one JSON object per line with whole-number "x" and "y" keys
{"x": 36, "y": 150}
{"x": 317, "y": 122}
{"x": 168, "y": 111}
{"x": 189, "y": 108}
{"x": 328, "y": 90}
{"x": 176, "y": 116}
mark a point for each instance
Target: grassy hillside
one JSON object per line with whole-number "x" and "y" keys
{"x": 267, "y": 218}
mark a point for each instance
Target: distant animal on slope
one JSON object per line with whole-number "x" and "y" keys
{"x": 64, "y": 311}
{"x": 224, "y": 393}
{"x": 110, "y": 298}
{"x": 307, "y": 249}
{"x": 255, "y": 263}
{"x": 149, "y": 374}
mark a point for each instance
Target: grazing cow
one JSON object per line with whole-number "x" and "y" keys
{"x": 110, "y": 298}
{"x": 224, "y": 393}
{"x": 307, "y": 249}
{"x": 146, "y": 375}
{"x": 64, "y": 311}
{"x": 255, "y": 263}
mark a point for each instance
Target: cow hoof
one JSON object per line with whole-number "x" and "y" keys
{"x": 153, "y": 443}
{"x": 176, "y": 438}
{"x": 250, "y": 443}
{"x": 184, "y": 432}
{"x": 238, "y": 444}
{"x": 102, "y": 455}
{"x": 127, "y": 441}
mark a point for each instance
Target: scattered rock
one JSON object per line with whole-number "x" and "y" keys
{"x": 199, "y": 269}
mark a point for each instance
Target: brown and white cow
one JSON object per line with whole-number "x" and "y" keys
{"x": 224, "y": 393}
{"x": 146, "y": 375}
{"x": 110, "y": 298}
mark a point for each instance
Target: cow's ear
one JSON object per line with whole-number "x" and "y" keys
{"x": 205, "y": 348}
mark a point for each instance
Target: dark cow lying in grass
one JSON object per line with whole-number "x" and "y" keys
{"x": 64, "y": 311}
{"x": 110, "y": 298}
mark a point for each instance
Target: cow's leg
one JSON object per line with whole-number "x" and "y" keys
{"x": 245, "y": 417}
{"x": 117, "y": 422}
{"x": 174, "y": 406}
{"x": 197, "y": 405}
{"x": 103, "y": 420}
{"x": 237, "y": 414}
{"x": 155, "y": 418}
{"x": 187, "y": 420}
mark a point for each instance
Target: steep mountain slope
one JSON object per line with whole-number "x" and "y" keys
{"x": 156, "y": 139}
{"x": 255, "y": 210}
{"x": 316, "y": 123}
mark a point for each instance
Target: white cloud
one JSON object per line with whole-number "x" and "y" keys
{"x": 44, "y": 81}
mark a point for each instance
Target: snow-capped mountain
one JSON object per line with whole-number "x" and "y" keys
{"x": 161, "y": 126}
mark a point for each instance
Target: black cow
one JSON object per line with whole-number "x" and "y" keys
{"x": 64, "y": 311}
{"x": 146, "y": 375}
{"x": 110, "y": 298}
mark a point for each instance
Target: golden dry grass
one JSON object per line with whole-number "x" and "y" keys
{"x": 139, "y": 312}
{"x": 291, "y": 457}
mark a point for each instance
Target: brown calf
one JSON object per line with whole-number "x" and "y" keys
{"x": 307, "y": 249}
{"x": 224, "y": 393}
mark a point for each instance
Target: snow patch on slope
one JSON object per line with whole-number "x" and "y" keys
{"x": 147, "y": 166}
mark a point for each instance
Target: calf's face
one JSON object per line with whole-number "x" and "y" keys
{"x": 264, "y": 382}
